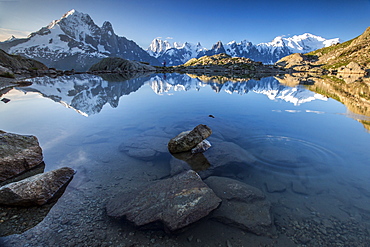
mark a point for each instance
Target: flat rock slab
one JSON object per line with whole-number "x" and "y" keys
{"x": 144, "y": 147}
{"x": 187, "y": 140}
{"x": 242, "y": 206}
{"x": 36, "y": 190}
{"x": 176, "y": 202}
{"x": 18, "y": 153}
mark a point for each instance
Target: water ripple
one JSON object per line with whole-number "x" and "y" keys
{"x": 290, "y": 156}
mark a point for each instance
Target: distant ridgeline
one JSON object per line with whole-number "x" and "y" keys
{"x": 76, "y": 42}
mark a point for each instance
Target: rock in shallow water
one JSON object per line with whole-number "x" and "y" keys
{"x": 187, "y": 140}
{"x": 36, "y": 190}
{"x": 242, "y": 205}
{"x": 18, "y": 153}
{"x": 176, "y": 202}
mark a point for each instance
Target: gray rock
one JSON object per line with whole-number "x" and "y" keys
{"x": 144, "y": 147}
{"x": 176, "y": 202}
{"x": 201, "y": 147}
{"x": 187, "y": 140}
{"x": 36, "y": 190}
{"x": 273, "y": 186}
{"x": 18, "y": 153}
{"x": 242, "y": 205}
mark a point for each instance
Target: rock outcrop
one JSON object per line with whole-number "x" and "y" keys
{"x": 352, "y": 68}
{"x": 16, "y": 63}
{"x": 18, "y": 153}
{"x": 120, "y": 65}
{"x": 36, "y": 190}
{"x": 188, "y": 140}
{"x": 242, "y": 206}
{"x": 222, "y": 63}
{"x": 175, "y": 202}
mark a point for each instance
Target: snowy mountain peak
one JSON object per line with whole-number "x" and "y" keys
{"x": 10, "y": 39}
{"x": 75, "y": 41}
{"x": 71, "y": 12}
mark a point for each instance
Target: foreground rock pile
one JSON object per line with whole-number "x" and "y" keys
{"x": 20, "y": 154}
{"x": 184, "y": 198}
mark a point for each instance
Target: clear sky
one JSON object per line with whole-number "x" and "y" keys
{"x": 196, "y": 20}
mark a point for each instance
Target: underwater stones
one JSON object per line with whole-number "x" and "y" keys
{"x": 36, "y": 190}
{"x": 242, "y": 206}
{"x": 144, "y": 147}
{"x": 187, "y": 140}
{"x": 176, "y": 202}
{"x": 18, "y": 153}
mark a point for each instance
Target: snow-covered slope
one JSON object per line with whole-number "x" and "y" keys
{"x": 76, "y": 42}
{"x": 86, "y": 94}
{"x": 264, "y": 52}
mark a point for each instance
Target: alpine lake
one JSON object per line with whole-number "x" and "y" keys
{"x": 311, "y": 156}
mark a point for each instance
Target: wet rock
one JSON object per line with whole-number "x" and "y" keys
{"x": 242, "y": 206}
{"x": 187, "y": 140}
{"x": 299, "y": 188}
{"x": 275, "y": 186}
{"x": 176, "y": 202}
{"x": 18, "y": 153}
{"x": 223, "y": 154}
{"x": 201, "y": 147}
{"x": 36, "y": 190}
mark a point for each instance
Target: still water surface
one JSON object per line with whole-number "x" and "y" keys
{"x": 311, "y": 158}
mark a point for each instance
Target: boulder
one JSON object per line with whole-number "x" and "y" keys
{"x": 18, "y": 153}
{"x": 175, "y": 202}
{"x": 352, "y": 68}
{"x": 187, "y": 140}
{"x": 242, "y": 206}
{"x": 36, "y": 190}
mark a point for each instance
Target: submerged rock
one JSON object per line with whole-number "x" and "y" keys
{"x": 187, "y": 140}
{"x": 144, "y": 147}
{"x": 18, "y": 153}
{"x": 243, "y": 206}
{"x": 176, "y": 202}
{"x": 36, "y": 190}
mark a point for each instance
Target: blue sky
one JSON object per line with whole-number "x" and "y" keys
{"x": 189, "y": 20}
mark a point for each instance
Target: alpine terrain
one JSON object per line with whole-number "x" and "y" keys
{"x": 75, "y": 42}
{"x": 268, "y": 53}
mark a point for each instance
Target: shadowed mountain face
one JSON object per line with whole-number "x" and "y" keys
{"x": 76, "y": 42}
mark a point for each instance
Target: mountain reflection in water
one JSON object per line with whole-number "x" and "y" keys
{"x": 87, "y": 94}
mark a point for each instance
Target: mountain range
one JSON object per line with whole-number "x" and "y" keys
{"x": 75, "y": 42}
{"x": 268, "y": 53}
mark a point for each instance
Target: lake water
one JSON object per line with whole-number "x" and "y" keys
{"x": 311, "y": 157}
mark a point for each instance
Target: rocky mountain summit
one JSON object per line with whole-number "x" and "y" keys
{"x": 176, "y": 53}
{"x": 76, "y": 42}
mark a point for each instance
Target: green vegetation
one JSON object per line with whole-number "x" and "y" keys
{"x": 325, "y": 93}
{"x": 326, "y": 50}
{"x": 7, "y": 75}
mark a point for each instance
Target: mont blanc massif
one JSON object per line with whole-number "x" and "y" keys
{"x": 76, "y": 42}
